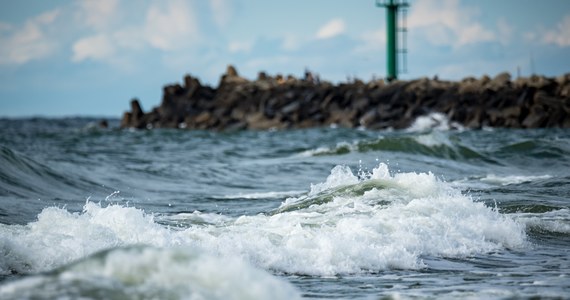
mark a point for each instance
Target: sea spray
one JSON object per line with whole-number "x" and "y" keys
{"x": 433, "y": 121}
{"x": 367, "y": 224}
{"x": 397, "y": 221}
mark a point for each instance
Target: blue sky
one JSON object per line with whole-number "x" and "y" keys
{"x": 66, "y": 58}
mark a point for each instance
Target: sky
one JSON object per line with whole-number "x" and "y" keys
{"x": 91, "y": 57}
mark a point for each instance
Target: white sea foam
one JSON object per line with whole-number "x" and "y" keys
{"x": 195, "y": 218}
{"x": 340, "y": 175}
{"x": 434, "y": 139}
{"x": 152, "y": 273}
{"x": 261, "y": 195}
{"x": 348, "y": 147}
{"x": 557, "y": 221}
{"x": 355, "y": 225}
{"x": 59, "y": 237}
{"x": 433, "y": 121}
{"x": 512, "y": 179}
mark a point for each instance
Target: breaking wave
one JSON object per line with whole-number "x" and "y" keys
{"x": 347, "y": 224}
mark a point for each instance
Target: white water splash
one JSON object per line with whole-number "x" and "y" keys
{"x": 383, "y": 221}
{"x": 433, "y": 121}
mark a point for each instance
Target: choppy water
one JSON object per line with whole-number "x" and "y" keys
{"x": 316, "y": 213}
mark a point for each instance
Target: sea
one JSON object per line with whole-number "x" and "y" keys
{"x": 434, "y": 211}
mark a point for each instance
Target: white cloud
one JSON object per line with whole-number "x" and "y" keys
{"x": 239, "y": 46}
{"x": 97, "y": 47}
{"x": 530, "y": 36}
{"x": 5, "y": 26}
{"x": 29, "y": 42}
{"x": 168, "y": 26}
{"x": 475, "y": 67}
{"x": 98, "y": 14}
{"x": 560, "y": 35}
{"x": 131, "y": 38}
{"x": 371, "y": 41}
{"x": 291, "y": 42}
{"x": 46, "y": 18}
{"x": 115, "y": 48}
{"x": 505, "y": 31}
{"x": 333, "y": 28}
{"x": 447, "y": 23}
{"x": 222, "y": 11}
{"x": 266, "y": 63}
{"x": 474, "y": 33}
{"x": 171, "y": 26}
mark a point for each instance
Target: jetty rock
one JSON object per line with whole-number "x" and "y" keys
{"x": 287, "y": 102}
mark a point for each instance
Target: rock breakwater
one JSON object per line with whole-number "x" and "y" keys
{"x": 287, "y": 102}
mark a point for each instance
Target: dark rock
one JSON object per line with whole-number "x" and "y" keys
{"x": 475, "y": 118}
{"x": 134, "y": 118}
{"x": 136, "y": 110}
{"x": 127, "y": 121}
{"x": 103, "y": 124}
{"x": 231, "y": 71}
{"x": 536, "y": 117}
{"x": 290, "y": 108}
{"x": 268, "y": 102}
{"x": 192, "y": 85}
{"x": 261, "y": 76}
{"x": 258, "y": 121}
{"x": 544, "y": 99}
{"x": 369, "y": 118}
{"x": 361, "y": 104}
{"x": 502, "y": 80}
{"x": 511, "y": 112}
{"x": 203, "y": 118}
{"x": 470, "y": 85}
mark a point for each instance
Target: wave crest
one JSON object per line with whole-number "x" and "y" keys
{"x": 347, "y": 224}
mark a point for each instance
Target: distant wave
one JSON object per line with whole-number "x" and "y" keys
{"x": 512, "y": 179}
{"x": 554, "y": 222}
{"x": 24, "y": 177}
{"x": 449, "y": 145}
{"x": 434, "y": 144}
{"x": 535, "y": 148}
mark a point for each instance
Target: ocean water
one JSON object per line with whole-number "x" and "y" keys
{"x": 434, "y": 211}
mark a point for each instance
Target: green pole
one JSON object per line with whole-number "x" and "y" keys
{"x": 392, "y": 7}
{"x": 391, "y": 40}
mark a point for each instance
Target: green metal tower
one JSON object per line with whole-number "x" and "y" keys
{"x": 392, "y": 7}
